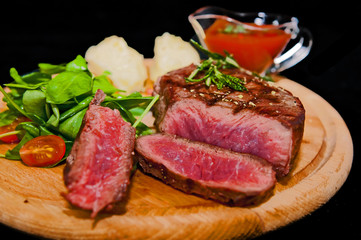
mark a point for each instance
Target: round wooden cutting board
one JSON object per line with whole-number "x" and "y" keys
{"x": 31, "y": 200}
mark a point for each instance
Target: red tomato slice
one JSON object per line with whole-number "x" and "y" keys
{"x": 11, "y": 127}
{"x": 8, "y": 139}
{"x": 43, "y": 151}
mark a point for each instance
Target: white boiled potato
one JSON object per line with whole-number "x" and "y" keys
{"x": 170, "y": 53}
{"x": 126, "y": 65}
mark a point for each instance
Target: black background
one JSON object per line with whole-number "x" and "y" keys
{"x": 56, "y": 32}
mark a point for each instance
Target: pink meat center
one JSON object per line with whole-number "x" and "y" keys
{"x": 244, "y": 132}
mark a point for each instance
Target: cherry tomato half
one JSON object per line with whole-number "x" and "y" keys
{"x": 11, "y": 127}
{"x": 43, "y": 151}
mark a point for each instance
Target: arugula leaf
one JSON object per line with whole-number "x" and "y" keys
{"x": 12, "y": 103}
{"x": 78, "y": 64}
{"x": 15, "y": 75}
{"x": 74, "y": 110}
{"x": 68, "y": 85}
{"x": 7, "y": 117}
{"x": 24, "y": 86}
{"x": 154, "y": 100}
{"x": 45, "y": 131}
{"x": 36, "y": 78}
{"x": 126, "y": 115}
{"x": 34, "y": 102}
{"x": 101, "y": 82}
{"x": 71, "y": 126}
{"x": 51, "y": 68}
{"x": 53, "y": 121}
{"x": 29, "y": 127}
{"x": 32, "y": 80}
{"x": 131, "y": 102}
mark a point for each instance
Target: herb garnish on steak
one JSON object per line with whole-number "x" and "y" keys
{"x": 211, "y": 69}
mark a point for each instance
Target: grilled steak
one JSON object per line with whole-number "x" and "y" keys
{"x": 98, "y": 167}
{"x": 266, "y": 120}
{"x": 205, "y": 170}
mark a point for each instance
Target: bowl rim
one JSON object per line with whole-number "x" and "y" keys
{"x": 228, "y": 15}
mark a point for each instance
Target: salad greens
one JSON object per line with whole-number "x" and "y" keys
{"x": 56, "y": 104}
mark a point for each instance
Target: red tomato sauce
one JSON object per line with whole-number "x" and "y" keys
{"x": 253, "y": 49}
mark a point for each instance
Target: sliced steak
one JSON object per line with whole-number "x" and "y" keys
{"x": 266, "y": 120}
{"x": 97, "y": 171}
{"x": 206, "y": 170}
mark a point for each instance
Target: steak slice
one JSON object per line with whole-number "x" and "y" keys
{"x": 266, "y": 120}
{"x": 206, "y": 170}
{"x": 98, "y": 168}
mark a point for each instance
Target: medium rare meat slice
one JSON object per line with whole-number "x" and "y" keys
{"x": 266, "y": 120}
{"x": 97, "y": 171}
{"x": 205, "y": 170}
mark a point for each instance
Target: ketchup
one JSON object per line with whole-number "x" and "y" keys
{"x": 253, "y": 49}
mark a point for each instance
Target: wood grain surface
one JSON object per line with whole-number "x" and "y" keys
{"x": 31, "y": 200}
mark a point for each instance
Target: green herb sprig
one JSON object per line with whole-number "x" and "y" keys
{"x": 234, "y": 29}
{"x": 212, "y": 74}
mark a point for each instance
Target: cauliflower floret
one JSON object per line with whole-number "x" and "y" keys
{"x": 170, "y": 53}
{"x": 126, "y": 65}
